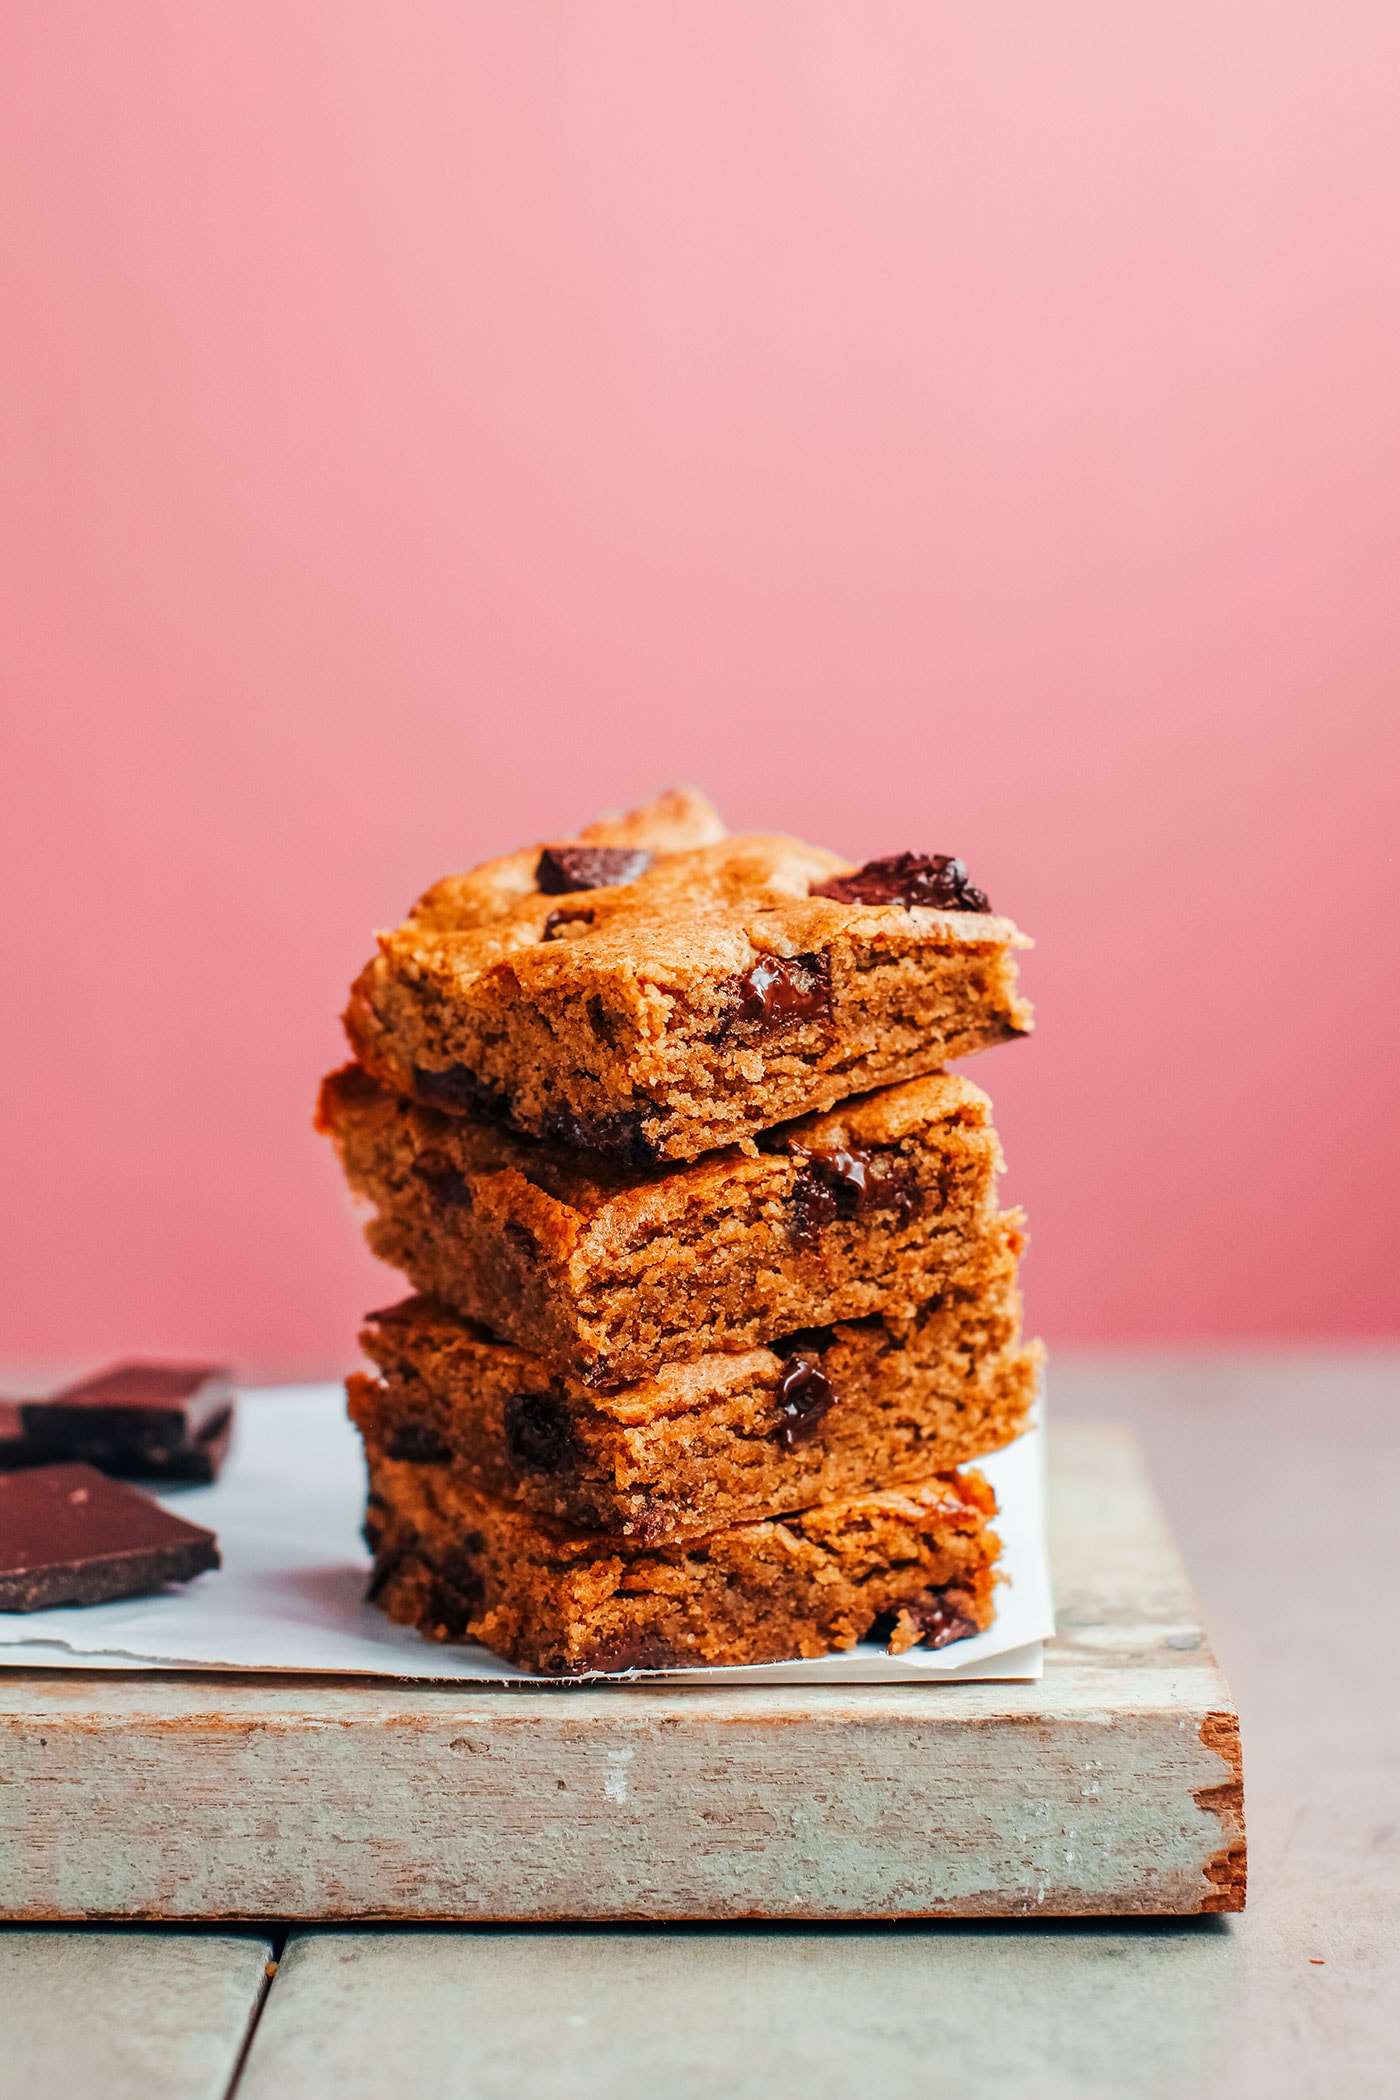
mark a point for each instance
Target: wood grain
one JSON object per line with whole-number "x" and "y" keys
{"x": 1110, "y": 1787}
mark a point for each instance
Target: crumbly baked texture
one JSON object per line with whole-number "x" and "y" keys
{"x": 654, "y": 989}
{"x": 909, "y": 1564}
{"x": 724, "y": 1440}
{"x": 609, "y": 1271}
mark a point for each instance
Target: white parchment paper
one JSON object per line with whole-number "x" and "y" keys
{"x": 290, "y": 1595}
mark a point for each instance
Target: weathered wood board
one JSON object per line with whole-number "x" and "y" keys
{"x": 1111, "y": 1787}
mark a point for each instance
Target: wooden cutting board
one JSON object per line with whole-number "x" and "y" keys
{"x": 1112, "y": 1786}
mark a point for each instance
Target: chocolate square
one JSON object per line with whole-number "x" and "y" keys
{"x": 150, "y": 1421}
{"x": 69, "y": 1535}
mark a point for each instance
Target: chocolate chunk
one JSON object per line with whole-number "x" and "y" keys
{"x": 150, "y": 1421}
{"x": 564, "y": 868}
{"x": 805, "y": 1397}
{"x": 812, "y": 1206}
{"x": 376, "y": 1524}
{"x": 940, "y": 1616}
{"x": 522, "y": 1239}
{"x": 457, "y": 1088}
{"x": 69, "y": 1535}
{"x": 808, "y": 1341}
{"x": 782, "y": 991}
{"x": 638, "y": 1650}
{"x": 556, "y": 919}
{"x": 934, "y": 879}
{"x": 539, "y": 1435}
{"x": 15, "y": 1450}
{"x": 443, "y": 1179}
{"x": 458, "y": 1591}
{"x": 847, "y": 1182}
{"x": 416, "y": 1443}
{"x": 621, "y": 1135}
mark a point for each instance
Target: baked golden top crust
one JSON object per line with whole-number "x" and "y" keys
{"x": 708, "y": 904}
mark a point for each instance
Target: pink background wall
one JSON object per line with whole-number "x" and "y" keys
{"x": 973, "y": 428}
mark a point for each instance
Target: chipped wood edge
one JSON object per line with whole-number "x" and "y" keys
{"x": 1228, "y": 1869}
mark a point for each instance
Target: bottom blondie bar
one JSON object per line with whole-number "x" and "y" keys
{"x": 905, "y": 1565}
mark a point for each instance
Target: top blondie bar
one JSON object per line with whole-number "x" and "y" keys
{"x": 655, "y": 987}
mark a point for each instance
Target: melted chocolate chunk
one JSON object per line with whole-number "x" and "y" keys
{"x": 934, "y": 879}
{"x": 561, "y": 869}
{"x": 805, "y": 1396}
{"x": 941, "y": 1618}
{"x": 457, "y": 1088}
{"x": 782, "y": 991}
{"x": 522, "y": 1239}
{"x": 539, "y": 1435}
{"x": 849, "y": 1182}
{"x": 443, "y": 1179}
{"x": 812, "y": 1206}
{"x": 557, "y": 919}
{"x": 417, "y": 1443}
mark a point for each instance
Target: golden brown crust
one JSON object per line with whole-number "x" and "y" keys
{"x": 723, "y": 1440}
{"x": 625, "y": 1019}
{"x": 608, "y": 1271}
{"x": 460, "y": 1565}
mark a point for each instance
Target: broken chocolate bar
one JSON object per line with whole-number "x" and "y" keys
{"x": 13, "y": 1449}
{"x": 150, "y": 1421}
{"x": 69, "y": 1535}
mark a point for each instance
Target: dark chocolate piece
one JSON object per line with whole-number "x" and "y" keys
{"x": 539, "y": 1435}
{"x": 459, "y": 1591}
{"x": 780, "y": 991}
{"x": 145, "y": 1421}
{"x": 69, "y": 1535}
{"x": 443, "y": 1179}
{"x": 15, "y": 1450}
{"x": 458, "y": 1088}
{"x": 940, "y": 1615}
{"x": 630, "y": 1651}
{"x": 417, "y": 1443}
{"x": 556, "y": 919}
{"x": 933, "y": 879}
{"x": 561, "y": 869}
{"x": 805, "y": 1396}
{"x": 813, "y": 1206}
{"x": 863, "y": 1178}
{"x": 621, "y": 1135}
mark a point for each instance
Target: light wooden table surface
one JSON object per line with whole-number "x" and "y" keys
{"x": 1279, "y": 1473}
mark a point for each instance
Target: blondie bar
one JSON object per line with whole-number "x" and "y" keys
{"x": 608, "y": 1271}
{"x": 905, "y": 1565}
{"x": 653, "y": 989}
{"x": 824, "y": 1414}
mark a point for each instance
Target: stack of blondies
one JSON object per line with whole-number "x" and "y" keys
{"x": 715, "y": 1298}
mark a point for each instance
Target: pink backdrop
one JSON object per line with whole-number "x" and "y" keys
{"x": 972, "y": 428}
